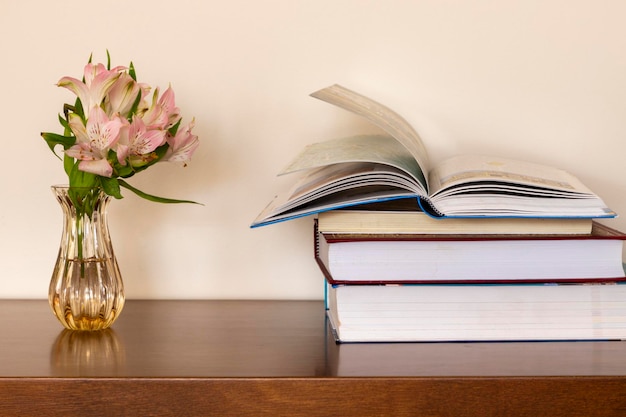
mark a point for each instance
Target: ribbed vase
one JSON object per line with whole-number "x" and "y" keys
{"x": 86, "y": 290}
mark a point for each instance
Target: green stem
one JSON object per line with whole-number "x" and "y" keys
{"x": 79, "y": 238}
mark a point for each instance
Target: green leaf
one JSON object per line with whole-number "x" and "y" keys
{"x": 82, "y": 179}
{"x": 172, "y": 130}
{"x": 68, "y": 164}
{"x": 123, "y": 171}
{"x": 54, "y": 139}
{"x": 111, "y": 186}
{"x": 65, "y": 124}
{"x": 119, "y": 170}
{"x": 78, "y": 109}
{"x": 131, "y": 71}
{"x": 152, "y": 197}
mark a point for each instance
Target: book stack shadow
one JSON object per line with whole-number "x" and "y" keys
{"x": 395, "y": 274}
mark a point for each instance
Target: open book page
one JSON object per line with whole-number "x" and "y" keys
{"x": 484, "y": 186}
{"x": 365, "y": 169}
{"x": 337, "y": 186}
{"x": 381, "y": 116}
{"x": 364, "y": 148}
{"x": 487, "y": 169}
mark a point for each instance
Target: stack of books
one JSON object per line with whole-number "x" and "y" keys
{"x": 460, "y": 285}
{"x": 475, "y": 248}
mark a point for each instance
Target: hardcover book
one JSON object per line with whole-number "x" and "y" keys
{"x": 456, "y": 313}
{"x": 350, "y": 171}
{"x": 405, "y": 217}
{"x": 432, "y": 258}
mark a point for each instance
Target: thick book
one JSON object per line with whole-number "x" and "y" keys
{"x": 418, "y": 259}
{"x": 404, "y": 217}
{"x": 473, "y": 313}
{"x": 525, "y": 359}
{"x": 362, "y": 169}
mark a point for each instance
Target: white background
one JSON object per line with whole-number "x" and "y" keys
{"x": 541, "y": 80}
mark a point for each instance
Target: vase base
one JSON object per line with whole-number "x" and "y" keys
{"x": 84, "y": 323}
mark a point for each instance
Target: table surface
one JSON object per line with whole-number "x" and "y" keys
{"x": 263, "y": 339}
{"x": 285, "y": 347}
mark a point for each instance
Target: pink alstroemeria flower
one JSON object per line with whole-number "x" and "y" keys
{"x": 94, "y": 141}
{"x": 98, "y": 82}
{"x": 137, "y": 142}
{"x": 162, "y": 113}
{"x": 122, "y": 95}
{"x": 115, "y": 127}
{"x": 182, "y": 145}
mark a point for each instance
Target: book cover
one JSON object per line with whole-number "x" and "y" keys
{"x": 432, "y": 258}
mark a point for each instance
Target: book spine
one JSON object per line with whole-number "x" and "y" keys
{"x": 427, "y": 206}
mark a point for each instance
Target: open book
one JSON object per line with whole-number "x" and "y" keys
{"x": 355, "y": 170}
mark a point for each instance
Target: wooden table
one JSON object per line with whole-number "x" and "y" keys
{"x": 257, "y": 358}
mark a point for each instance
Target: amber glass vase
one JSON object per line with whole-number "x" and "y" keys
{"x": 86, "y": 290}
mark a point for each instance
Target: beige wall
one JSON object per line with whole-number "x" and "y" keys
{"x": 538, "y": 80}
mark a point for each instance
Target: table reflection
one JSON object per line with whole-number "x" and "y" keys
{"x": 84, "y": 353}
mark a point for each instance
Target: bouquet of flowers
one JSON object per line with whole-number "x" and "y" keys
{"x": 115, "y": 129}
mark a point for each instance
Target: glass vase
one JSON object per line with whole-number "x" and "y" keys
{"x": 86, "y": 290}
